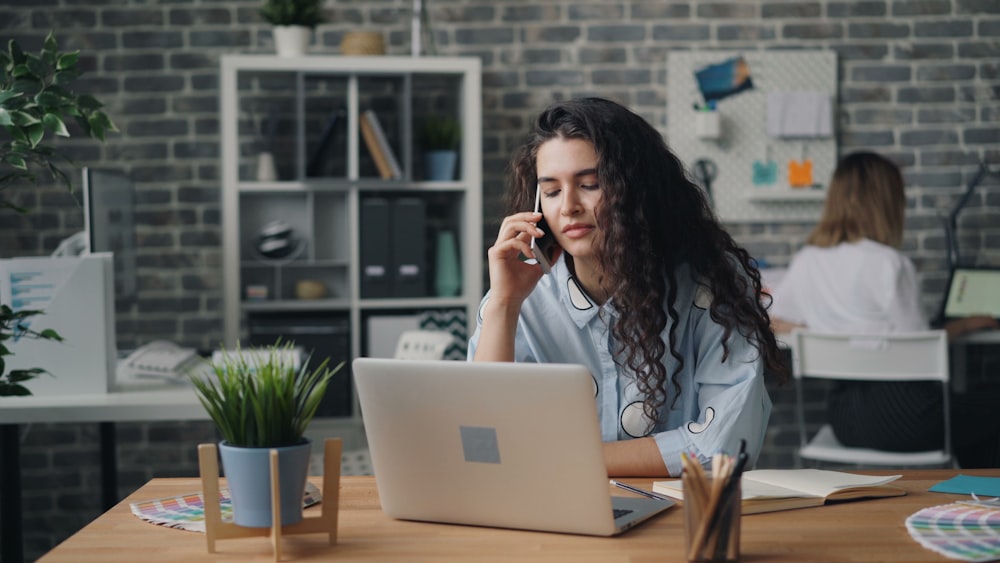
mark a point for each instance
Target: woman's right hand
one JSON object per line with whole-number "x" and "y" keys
{"x": 511, "y": 279}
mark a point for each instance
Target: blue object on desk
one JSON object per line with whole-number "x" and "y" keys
{"x": 966, "y": 484}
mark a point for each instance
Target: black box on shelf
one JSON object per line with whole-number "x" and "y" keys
{"x": 323, "y": 335}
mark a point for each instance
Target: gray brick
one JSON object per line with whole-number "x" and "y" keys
{"x": 989, "y": 70}
{"x": 927, "y": 137}
{"x": 614, "y": 33}
{"x": 978, "y": 49}
{"x": 791, "y": 10}
{"x": 152, "y": 39}
{"x": 982, "y": 135}
{"x": 979, "y": 92}
{"x": 530, "y": 13}
{"x": 200, "y": 16}
{"x": 158, "y": 84}
{"x": 145, "y": 106}
{"x": 681, "y": 32}
{"x": 556, "y": 33}
{"x": 195, "y": 104}
{"x": 553, "y": 78}
{"x": 977, "y": 7}
{"x": 871, "y": 30}
{"x": 132, "y": 17}
{"x": 191, "y": 61}
{"x": 923, "y": 51}
{"x": 988, "y": 28}
{"x": 137, "y": 150}
{"x": 486, "y": 36}
{"x": 126, "y": 62}
{"x": 205, "y": 239}
{"x": 880, "y": 73}
{"x": 948, "y": 28}
{"x": 952, "y": 72}
{"x": 596, "y": 11}
{"x": 855, "y": 9}
{"x": 55, "y": 19}
{"x": 500, "y": 79}
{"x": 948, "y": 158}
{"x": 925, "y": 94}
{"x": 220, "y": 38}
{"x": 601, "y": 55}
{"x": 883, "y": 116}
{"x": 861, "y": 139}
{"x": 725, "y": 10}
{"x": 461, "y": 14}
{"x": 645, "y": 10}
{"x": 946, "y": 115}
{"x": 623, "y": 76}
{"x": 921, "y": 7}
{"x": 195, "y": 149}
{"x": 856, "y": 51}
{"x": 533, "y": 57}
{"x": 813, "y": 31}
{"x": 746, "y": 32}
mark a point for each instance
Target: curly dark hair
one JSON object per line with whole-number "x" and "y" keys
{"x": 649, "y": 205}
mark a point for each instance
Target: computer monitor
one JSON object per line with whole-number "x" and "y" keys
{"x": 109, "y": 223}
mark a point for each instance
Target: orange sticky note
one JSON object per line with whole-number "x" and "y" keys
{"x": 800, "y": 174}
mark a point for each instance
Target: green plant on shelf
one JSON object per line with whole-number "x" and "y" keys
{"x": 440, "y": 133}
{"x": 308, "y": 13}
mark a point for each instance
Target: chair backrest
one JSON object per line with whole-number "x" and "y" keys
{"x": 423, "y": 345}
{"x": 888, "y": 357}
{"x": 911, "y": 356}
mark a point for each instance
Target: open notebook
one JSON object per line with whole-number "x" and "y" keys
{"x": 769, "y": 490}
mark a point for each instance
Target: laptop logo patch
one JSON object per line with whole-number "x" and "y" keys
{"x": 479, "y": 444}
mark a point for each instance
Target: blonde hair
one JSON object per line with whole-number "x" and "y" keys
{"x": 865, "y": 200}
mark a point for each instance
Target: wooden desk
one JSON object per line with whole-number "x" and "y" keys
{"x": 868, "y": 530}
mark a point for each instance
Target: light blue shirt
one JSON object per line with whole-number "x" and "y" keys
{"x": 719, "y": 403}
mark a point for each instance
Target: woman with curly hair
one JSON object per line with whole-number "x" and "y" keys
{"x": 646, "y": 289}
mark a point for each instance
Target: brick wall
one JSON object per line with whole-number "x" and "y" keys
{"x": 919, "y": 81}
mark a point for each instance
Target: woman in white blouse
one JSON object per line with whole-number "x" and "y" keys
{"x": 851, "y": 277}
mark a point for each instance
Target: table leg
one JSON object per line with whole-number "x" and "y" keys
{"x": 109, "y": 466}
{"x": 11, "y": 535}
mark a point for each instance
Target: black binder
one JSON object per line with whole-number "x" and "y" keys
{"x": 408, "y": 218}
{"x": 376, "y": 256}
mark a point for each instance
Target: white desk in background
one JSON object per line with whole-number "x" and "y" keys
{"x": 155, "y": 404}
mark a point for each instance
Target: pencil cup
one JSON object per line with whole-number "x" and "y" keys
{"x": 712, "y": 527}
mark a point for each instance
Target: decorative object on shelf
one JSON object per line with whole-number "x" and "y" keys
{"x": 267, "y": 170}
{"x": 362, "y": 43}
{"x": 420, "y": 25}
{"x": 310, "y": 289}
{"x": 33, "y": 105}
{"x": 262, "y": 401}
{"x": 276, "y": 241}
{"x": 439, "y": 139}
{"x": 447, "y": 275}
{"x": 293, "y": 21}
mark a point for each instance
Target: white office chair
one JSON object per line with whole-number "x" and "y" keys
{"x": 917, "y": 356}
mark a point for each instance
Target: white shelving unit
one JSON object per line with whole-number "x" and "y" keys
{"x": 285, "y": 105}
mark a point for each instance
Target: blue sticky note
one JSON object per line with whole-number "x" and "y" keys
{"x": 966, "y": 484}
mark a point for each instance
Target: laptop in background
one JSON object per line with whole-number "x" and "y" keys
{"x": 972, "y": 291}
{"x": 509, "y": 445}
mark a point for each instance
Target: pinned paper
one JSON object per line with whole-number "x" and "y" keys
{"x": 800, "y": 174}
{"x": 799, "y": 114}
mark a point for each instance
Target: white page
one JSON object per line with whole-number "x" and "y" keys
{"x": 812, "y": 482}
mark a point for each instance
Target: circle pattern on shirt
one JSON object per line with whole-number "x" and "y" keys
{"x": 699, "y": 427}
{"x": 634, "y": 421}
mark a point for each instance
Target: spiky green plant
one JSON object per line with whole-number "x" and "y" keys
{"x": 440, "y": 133}
{"x": 259, "y": 399}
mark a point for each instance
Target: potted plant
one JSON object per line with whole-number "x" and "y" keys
{"x": 263, "y": 399}
{"x": 293, "y": 21}
{"x": 36, "y": 101}
{"x": 439, "y": 139}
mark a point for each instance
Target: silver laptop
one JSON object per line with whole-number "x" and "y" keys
{"x": 510, "y": 445}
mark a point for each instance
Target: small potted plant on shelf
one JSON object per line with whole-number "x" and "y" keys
{"x": 36, "y": 101}
{"x": 263, "y": 399}
{"x": 439, "y": 139}
{"x": 293, "y": 21}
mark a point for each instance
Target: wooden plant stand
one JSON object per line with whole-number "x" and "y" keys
{"x": 326, "y": 522}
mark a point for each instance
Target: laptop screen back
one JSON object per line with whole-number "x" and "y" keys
{"x": 973, "y": 291}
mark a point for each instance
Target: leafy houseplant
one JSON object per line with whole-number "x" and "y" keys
{"x": 293, "y": 22}
{"x": 307, "y": 13}
{"x": 35, "y": 101}
{"x": 439, "y": 138}
{"x": 440, "y": 133}
{"x": 261, "y": 400}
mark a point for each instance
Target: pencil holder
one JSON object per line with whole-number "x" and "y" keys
{"x": 712, "y": 521}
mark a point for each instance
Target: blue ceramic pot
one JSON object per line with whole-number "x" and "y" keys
{"x": 248, "y": 472}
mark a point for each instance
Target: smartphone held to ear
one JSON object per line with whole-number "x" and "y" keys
{"x": 542, "y": 247}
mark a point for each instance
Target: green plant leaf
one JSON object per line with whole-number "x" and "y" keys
{"x": 35, "y": 132}
{"x": 67, "y": 60}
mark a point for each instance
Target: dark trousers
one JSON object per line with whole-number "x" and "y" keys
{"x": 907, "y": 416}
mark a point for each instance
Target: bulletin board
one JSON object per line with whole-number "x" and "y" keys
{"x": 739, "y": 191}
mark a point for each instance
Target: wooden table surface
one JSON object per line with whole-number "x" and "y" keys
{"x": 866, "y": 530}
